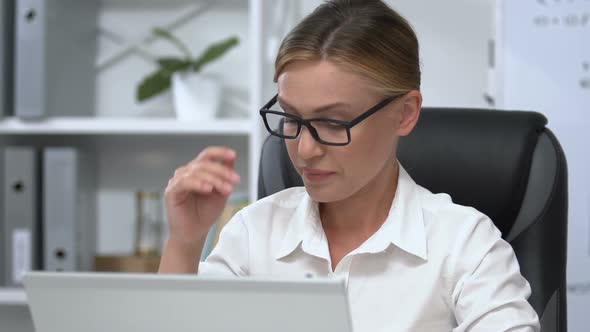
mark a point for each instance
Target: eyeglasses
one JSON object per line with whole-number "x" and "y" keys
{"x": 324, "y": 131}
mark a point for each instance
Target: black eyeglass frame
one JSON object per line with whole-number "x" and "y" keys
{"x": 307, "y": 122}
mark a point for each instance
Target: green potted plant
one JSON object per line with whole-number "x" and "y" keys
{"x": 196, "y": 97}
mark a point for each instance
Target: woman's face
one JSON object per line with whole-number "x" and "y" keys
{"x": 321, "y": 89}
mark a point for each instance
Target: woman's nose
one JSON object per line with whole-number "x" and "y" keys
{"x": 308, "y": 147}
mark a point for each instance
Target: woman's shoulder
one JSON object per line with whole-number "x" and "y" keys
{"x": 457, "y": 234}
{"x": 442, "y": 205}
{"x": 282, "y": 202}
{"x": 445, "y": 216}
{"x": 286, "y": 198}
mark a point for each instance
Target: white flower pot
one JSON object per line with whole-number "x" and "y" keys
{"x": 196, "y": 97}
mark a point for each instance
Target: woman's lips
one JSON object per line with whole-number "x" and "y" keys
{"x": 316, "y": 175}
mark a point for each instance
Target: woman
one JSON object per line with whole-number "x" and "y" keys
{"x": 414, "y": 260}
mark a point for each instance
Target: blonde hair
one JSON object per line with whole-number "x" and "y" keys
{"x": 364, "y": 36}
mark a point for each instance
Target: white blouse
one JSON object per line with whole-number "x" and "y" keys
{"x": 432, "y": 266}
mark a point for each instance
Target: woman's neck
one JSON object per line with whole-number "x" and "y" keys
{"x": 361, "y": 215}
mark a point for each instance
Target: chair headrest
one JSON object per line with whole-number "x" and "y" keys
{"x": 480, "y": 157}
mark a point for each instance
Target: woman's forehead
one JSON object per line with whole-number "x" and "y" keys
{"x": 321, "y": 81}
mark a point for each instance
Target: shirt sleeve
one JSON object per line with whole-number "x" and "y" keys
{"x": 490, "y": 294}
{"x": 230, "y": 257}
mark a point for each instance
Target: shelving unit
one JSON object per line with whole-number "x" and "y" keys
{"x": 125, "y": 126}
{"x": 13, "y": 296}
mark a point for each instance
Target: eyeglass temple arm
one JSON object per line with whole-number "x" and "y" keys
{"x": 271, "y": 102}
{"x": 372, "y": 111}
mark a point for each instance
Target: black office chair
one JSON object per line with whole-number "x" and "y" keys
{"x": 506, "y": 164}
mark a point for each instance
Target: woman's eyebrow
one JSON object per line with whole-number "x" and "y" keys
{"x": 337, "y": 106}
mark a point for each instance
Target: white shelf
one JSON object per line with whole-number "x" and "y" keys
{"x": 13, "y": 296}
{"x": 124, "y": 126}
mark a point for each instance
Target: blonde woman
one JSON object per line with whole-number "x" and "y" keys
{"x": 348, "y": 88}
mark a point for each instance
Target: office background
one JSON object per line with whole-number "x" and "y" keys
{"x": 454, "y": 37}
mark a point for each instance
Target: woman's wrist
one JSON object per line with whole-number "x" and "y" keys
{"x": 181, "y": 257}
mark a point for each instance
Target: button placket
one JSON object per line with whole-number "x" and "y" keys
{"x": 343, "y": 268}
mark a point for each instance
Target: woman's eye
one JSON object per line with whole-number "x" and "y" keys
{"x": 328, "y": 125}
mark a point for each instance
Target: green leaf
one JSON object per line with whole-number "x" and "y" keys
{"x": 165, "y": 34}
{"x": 214, "y": 51}
{"x": 154, "y": 84}
{"x": 173, "y": 64}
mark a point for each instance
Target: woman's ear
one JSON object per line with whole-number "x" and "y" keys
{"x": 411, "y": 107}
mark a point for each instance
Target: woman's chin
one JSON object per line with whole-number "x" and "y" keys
{"x": 324, "y": 194}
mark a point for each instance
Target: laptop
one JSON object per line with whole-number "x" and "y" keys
{"x": 122, "y": 302}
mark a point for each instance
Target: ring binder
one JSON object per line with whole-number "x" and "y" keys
{"x": 21, "y": 213}
{"x": 55, "y": 50}
{"x": 69, "y": 209}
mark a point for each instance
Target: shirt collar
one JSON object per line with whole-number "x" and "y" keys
{"x": 404, "y": 226}
{"x": 304, "y": 229}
